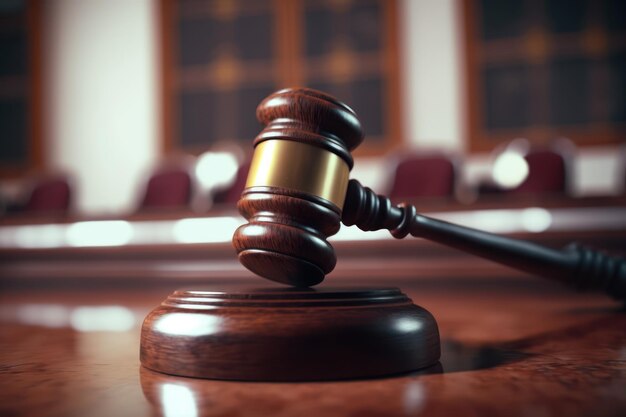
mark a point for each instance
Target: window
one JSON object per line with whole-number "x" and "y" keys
{"x": 221, "y": 58}
{"x": 20, "y": 86}
{"x": 546, "y": 69}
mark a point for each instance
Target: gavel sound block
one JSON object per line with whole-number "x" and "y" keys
{"x": 288, "y": 334}
{"x": 282, "y": 333}
{"x": 292, "y": 334}
{"x": 298, "y": 192}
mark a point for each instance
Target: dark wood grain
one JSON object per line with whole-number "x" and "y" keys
{"x": 310, "y": 116}
{"x": 286, "y": 334}
{"x": 506, "y": 351}
{"x": 285, "y": 239}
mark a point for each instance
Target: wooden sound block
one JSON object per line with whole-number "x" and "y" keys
{"x": 289, "y": 334}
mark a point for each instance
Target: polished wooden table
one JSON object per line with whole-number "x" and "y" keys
{"x": 511, "y": 347}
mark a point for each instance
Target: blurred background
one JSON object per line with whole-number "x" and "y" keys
{"x": 126, "y": 131}
{"x": 114, "y": 109}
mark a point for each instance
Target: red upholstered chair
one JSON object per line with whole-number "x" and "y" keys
{"x": 232, "y": 194}
{"x": 547, "y": 174}
{"x": 548, "y": 168}
{"x": 51, "y": 194}
{"x": 424, "y": 176}
{"x": 168, "y": 188}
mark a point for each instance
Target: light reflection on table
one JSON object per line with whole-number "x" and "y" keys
{"x": 218, "y": 229}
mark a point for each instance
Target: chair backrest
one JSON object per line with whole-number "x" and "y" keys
{"x": 547, "y": 174}
{"x": 49, "y": 195}
{"x": 168, "y": 188}
{"x": 233, "y": 192}
{"x": 424, "y": 176}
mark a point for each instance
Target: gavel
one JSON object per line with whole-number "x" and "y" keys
{"x": 298, "y": 192}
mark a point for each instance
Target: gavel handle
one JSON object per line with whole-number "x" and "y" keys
{"x": 580, "y": 267}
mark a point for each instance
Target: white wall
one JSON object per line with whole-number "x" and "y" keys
{"x": 599, "y": 171}
{"x": 431, "y": 85}
{"x": 101, "y": 97}
{"x": 431, "y": 76}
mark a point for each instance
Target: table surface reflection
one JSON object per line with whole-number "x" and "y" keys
{"x": 510, "y": 349}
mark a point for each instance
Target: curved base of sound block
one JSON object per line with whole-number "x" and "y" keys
{"x": 288, "y": 334}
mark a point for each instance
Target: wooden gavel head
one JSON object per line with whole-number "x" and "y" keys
{"x": 296, "y": 187}
{"x": 298, "y": 193}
